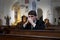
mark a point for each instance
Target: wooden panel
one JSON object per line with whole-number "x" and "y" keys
{"x": 50, "y": 33}
{"x": 22, "y": 37}
{"x": 17, "y": 34}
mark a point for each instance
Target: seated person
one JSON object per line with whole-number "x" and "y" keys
{"x": 47, "y": 23}
{"x": 23, "y": 21}
{"x": 32, "y": 22}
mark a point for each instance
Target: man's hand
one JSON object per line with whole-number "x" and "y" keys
{"x": 31, "y": 21}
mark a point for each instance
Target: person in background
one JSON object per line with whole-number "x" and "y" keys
{"x": 32, "y": 22}
{"x": 7, "y": 20}
{"x": 23, "y": 21}
{"x": 47, "y": 23}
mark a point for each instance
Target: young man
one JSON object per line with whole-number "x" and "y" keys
{"x": 33, "y": 23}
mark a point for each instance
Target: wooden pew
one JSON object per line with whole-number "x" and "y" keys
{"x": 26, "y": 37}
{"x": 17, "y": 34}
{"x": 43, "y": 34}
{"x": 50, "y": 33}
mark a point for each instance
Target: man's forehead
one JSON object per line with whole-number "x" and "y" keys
{"x": 30, "y": 15}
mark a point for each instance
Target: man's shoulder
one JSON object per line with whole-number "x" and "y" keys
{"x": 39, "y": 21}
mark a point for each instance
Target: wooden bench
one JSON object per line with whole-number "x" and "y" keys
{"x": 17, "y": 34}
{"x": 26, "y": 37}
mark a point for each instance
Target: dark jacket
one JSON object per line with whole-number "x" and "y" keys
{"x": 39, "y": 26}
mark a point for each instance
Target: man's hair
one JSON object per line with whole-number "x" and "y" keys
{"x": 32, "y": 12}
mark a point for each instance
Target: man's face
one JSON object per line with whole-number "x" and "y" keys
{"x": 32, "y": 17}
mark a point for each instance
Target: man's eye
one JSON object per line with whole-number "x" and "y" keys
{"x": 28, "y": 16}
{"x": 31, "y": 16}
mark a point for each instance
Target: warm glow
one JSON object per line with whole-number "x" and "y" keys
{"x": 18, "y": 19}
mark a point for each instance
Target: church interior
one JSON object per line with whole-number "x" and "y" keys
{"x": 11, "y": 12}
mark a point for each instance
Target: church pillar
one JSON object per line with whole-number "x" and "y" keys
{"x": 51, "y": 16}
